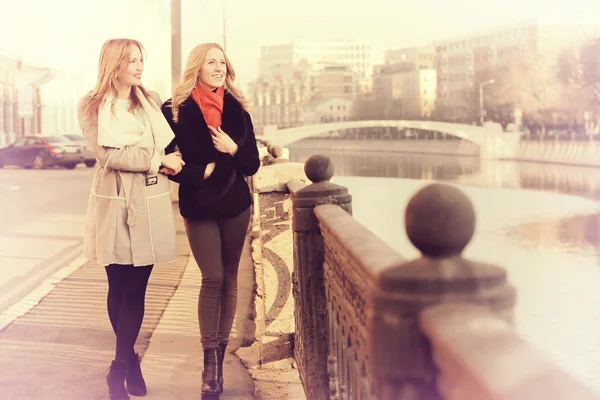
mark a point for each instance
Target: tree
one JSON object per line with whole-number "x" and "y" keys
{"x": 529, "y": 82}
{"x": 439, "y": 110}
{"x": 368, "y": 107}
{"x": 578, "y": 71}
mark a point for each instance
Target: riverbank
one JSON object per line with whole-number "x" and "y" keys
{"x": 579, "y": 153}
{"x": 447, "y": 147}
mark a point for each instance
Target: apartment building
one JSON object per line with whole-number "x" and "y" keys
{"x": 296, "y": 73}
{"x": 358, "y": 55}
{"x": 462, "y": 64}
{"x": 406, "y": 83}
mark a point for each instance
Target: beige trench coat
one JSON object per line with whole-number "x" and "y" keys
{"x": 130, "y": 215}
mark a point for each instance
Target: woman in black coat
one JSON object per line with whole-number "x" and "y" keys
{"x": 214, "y": 133}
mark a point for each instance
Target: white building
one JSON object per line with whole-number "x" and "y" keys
{"x": 360, "y": 56}
{"x": 333, "y": 109}
{"x": 20, "y": 99}
{"x": 60, "y": 98}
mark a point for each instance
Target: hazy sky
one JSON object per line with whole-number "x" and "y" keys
{"x": 390, "y": 23}
{"x": 70, "y": 32}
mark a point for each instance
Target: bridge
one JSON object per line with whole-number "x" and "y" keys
{"x": 492, "y": 144}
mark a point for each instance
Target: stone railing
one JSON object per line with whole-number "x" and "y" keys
{"x": 361, "y": 322}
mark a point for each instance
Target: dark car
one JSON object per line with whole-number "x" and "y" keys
{"x": 88, "y": 154}
{"x": 41, "y": 152}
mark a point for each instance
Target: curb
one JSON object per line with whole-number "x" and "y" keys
{"x": 24, "y": 305}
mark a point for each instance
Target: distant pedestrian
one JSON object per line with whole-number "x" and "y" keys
{"x": 214, "y": 132}
{"x": 130, "y": 225}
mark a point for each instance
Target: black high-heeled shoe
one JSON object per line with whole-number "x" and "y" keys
{"x": 221, "y": 357}
{"x": 136, "y": 385}
{"x": 210, "y": 375}
{"x": 116, "y": 381}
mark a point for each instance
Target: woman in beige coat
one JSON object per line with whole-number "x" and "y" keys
{"x": 130, "y": 225}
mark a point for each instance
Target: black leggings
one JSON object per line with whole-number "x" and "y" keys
{"x": 125, "y": 302}
{"x": 217, "y": 246}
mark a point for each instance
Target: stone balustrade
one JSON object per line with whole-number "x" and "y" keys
{"x": 362, "y": 322}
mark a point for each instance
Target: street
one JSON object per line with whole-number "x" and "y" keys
{"x": 42, "y": 214}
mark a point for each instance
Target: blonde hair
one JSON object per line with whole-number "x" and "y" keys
{"x": 114, "y": 58}
{"x": 190, "y": 77}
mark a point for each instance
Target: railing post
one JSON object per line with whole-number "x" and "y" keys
{"x": 440, "y": 222}
{"x": 311, "y": 338}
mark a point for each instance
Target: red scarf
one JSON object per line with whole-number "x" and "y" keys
{"x": 210, "y": 103}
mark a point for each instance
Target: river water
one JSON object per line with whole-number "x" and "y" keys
{"x": 539, "y": 221}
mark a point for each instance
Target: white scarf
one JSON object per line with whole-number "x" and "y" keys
{"x": 126, "y": 130}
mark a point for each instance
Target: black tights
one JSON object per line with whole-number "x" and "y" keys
{"x": 125, "y": 302}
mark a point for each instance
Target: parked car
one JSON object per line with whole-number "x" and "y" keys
{"x": 88, "y": 154}
{"x": 41, "y": 152}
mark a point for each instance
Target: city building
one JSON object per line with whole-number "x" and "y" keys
{"x": 462, "y": 64}
{"x": 422, "y": 57}
{"x": 333, "y": 80}
{"x": 280, "y": 96}
{"x": 20, "y": 99}
{"x": 358, "y": 55}
{"x": 406, "y": 84}
{"x": 297, "y": 73}
{"x": 277, "y": 97}
{"x": 332, "y": 109}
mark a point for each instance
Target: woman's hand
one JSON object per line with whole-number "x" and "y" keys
{"x": 222, "y": 141}
{"x": 172, "y": 162}
{"x": 209, "y": 170}
{"x": 166, "y": 171}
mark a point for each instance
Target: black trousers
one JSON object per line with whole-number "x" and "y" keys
{"x": 217, "y": 246}
{"x": 126, "y": 302}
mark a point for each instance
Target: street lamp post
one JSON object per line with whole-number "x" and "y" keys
{"x": 224, "y": 26}
{"x": 175, "y": 42}
{"x": 481, "y": 85}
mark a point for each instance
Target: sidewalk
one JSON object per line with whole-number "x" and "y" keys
{"x": 61, "y": 348}
{"x": 173, "y": 362}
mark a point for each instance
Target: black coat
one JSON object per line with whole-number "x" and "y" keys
{"x": 225, "y": 193}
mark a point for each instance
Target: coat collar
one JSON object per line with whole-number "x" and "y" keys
{"x": 233, "y": 119}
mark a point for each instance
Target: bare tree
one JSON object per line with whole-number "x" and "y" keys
{"x": 368, "y": 107}
{"x": 579, "y": 73}
{"x": 530, "y": 82}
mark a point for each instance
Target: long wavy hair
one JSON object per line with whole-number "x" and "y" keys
{"x": 190, "y": 77}
{"x": 114, "y": 59}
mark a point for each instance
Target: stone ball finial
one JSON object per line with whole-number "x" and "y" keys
{"x": 275, "y": 151}
{"x": 440, "y": 220}
{"x": 319, "y": 168}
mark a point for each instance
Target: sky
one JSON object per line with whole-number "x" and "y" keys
{"x": 388, "y": 23}
{"x": 67, "y": 34}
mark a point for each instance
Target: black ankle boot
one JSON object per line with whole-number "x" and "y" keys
{"x": 210, "y": 375}
{"x": 116, "y": 381}
{"x": 221, "y": 356}
{"x": 134, "y": 378}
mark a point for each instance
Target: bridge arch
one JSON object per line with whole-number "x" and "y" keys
{"x": 492, "y": 144}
